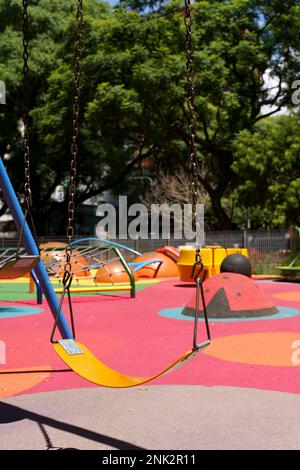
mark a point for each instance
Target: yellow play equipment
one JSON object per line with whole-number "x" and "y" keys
{"x": 212, "y": 257}
{"x": 88, "y": 290}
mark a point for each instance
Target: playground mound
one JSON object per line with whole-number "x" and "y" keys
{"x": 230, "y": 295}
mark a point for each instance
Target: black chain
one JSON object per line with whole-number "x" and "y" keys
{"x": 191, "y": 104}
{"x": 74, "y": 145}
{"x": 68, "y": 275}
{"x": 26, "y": 138}
{"x": 190, "y": 75}
{"x": 27, "y": 188}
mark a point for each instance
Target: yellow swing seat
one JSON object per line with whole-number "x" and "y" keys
{"x": 86, "y": 365}
{"x": 18, "y": 267}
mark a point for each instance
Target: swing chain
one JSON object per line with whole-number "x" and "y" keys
{"x": 26, "y": 133}
{"x": 68, "y": 275}
{"x": 198, "y": 265}
{"x": 198, "y": 256}
{"x": 190, "y": 75}
{"x": 27, "y": 189}
{"x": 74, "y": 144}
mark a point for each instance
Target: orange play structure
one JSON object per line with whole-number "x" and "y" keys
{"x": 56, "y": 253}
{"x": 167, "y": 268}
{"x": 112, "y": 273}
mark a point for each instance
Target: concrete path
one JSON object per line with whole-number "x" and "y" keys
{"x": 155, "y": 417}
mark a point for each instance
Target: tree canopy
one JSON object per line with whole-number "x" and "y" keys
{"x": 269, "y": 158}
{"x": 133, "y": 100}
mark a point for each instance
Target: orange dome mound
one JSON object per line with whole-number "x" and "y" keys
{"x": 231, "y": 295}
{"x": 55, "y": 260}
{"x": 168, "y": 267}
{"x": 112, "y": 273}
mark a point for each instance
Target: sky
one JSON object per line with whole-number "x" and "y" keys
{"x": 270, "y": 82}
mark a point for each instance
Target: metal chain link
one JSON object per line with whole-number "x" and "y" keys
{"x": 190, "y": 75}
{"x": 27, "y": 188}
{"x": 74, "y": 146}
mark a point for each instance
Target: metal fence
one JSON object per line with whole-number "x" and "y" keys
{"x": 267, "y": 248}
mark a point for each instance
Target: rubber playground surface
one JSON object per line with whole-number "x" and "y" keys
{"x": 248, "y": 379}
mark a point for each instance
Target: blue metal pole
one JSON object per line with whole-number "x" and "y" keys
{"x": 30, "y": 245}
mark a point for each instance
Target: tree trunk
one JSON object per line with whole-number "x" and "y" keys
{"x": 224, "y": 222}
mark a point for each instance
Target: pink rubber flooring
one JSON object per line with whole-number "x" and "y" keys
{"x": 130, "y": 335}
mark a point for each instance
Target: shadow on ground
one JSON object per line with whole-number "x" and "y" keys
{"x": 10, "y": 413}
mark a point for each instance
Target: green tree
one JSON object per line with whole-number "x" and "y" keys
{"x": 143, "y": 5}
{"x": 269, "y": 158}
{"x": 237, "y": 42}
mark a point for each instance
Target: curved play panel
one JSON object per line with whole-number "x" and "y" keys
{"x": 166, "y": 268}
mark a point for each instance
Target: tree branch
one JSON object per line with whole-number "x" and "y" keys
{"x": 263, "y": 116}
{"x": 95, "y": 192}
{"x": 261, "y": 30}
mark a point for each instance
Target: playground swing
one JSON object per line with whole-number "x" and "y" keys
{"x": 19, "y": 264}
{"x": 75, "y": 354}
